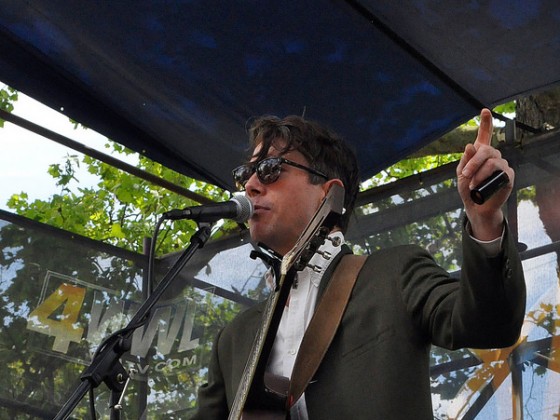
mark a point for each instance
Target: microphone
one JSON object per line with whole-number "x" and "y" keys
{"x": 239, "y": 209}
{"x": 489, "y": 187}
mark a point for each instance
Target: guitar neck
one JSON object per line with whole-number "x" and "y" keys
{"x": 256, "y": 364}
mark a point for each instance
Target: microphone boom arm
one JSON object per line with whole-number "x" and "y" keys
{"x": 106, "y": 366}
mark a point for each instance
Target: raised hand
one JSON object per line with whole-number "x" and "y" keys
{"x": 478, "y": 162}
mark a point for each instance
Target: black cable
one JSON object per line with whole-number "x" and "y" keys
{"x": 93, "y": 414}
{"x": 123, "y": 332}
{"x": 151, "y": 255}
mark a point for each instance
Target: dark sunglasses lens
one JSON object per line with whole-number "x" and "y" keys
{"x": 268, "y": 170}
{"x": 241, "y": 175}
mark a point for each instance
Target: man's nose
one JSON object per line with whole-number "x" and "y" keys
{"x": 253, "y": 186}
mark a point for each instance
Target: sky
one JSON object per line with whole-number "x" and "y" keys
{"x": 25, "y": 157}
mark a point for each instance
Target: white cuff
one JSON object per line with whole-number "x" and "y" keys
{"x": 492, "y": 247}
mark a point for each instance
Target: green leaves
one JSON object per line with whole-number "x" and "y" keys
{"x": 7, "y": 97}
{"x": 121, "y": 209}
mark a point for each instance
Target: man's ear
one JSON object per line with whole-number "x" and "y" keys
{"x": 327, "y": 185}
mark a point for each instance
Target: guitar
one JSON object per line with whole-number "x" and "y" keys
{"x": 254, "y": 391}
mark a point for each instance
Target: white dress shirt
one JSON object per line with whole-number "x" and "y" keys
{"x": 297, "y": 315}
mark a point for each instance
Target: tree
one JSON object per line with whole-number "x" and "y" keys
{"x": 122, "y": 209}
{"x": 7, "y": 98}
{"x": 542, "y": 111}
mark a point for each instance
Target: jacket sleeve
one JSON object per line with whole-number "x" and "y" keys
{"x": 484, "y": 309}
{"x": 212, "y": 403}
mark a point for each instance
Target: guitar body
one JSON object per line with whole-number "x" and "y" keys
{"x": 272, "y": 395}
{"x": 263, "y": 415}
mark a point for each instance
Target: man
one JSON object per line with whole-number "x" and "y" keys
{"x": 377, "y": 366}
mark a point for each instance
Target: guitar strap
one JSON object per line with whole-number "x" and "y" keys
{"x": 323, "y": 325}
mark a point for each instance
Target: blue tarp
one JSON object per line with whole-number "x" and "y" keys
{"x": 179, "y": 81}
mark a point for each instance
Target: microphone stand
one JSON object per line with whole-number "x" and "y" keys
{"x": 106, "y": 366}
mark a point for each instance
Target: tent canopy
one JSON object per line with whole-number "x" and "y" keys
{"x": 180, "y": 81}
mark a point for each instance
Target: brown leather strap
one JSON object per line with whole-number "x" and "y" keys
{"x": 323, "y": 325}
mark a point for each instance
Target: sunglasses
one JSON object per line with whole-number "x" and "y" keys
{"x": 268, "y": 171}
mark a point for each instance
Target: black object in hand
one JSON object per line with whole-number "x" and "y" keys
{"x": 489, "y": 187}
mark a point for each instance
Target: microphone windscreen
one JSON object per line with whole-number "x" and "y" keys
{"x": 245, "y": 207}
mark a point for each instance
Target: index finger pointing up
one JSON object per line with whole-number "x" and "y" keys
{"x": 485, "y": 130}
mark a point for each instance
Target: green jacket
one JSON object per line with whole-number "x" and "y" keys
{"x": 377, "y": 366}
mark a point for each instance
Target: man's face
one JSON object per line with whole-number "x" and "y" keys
{"x": 284, "y": 208}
